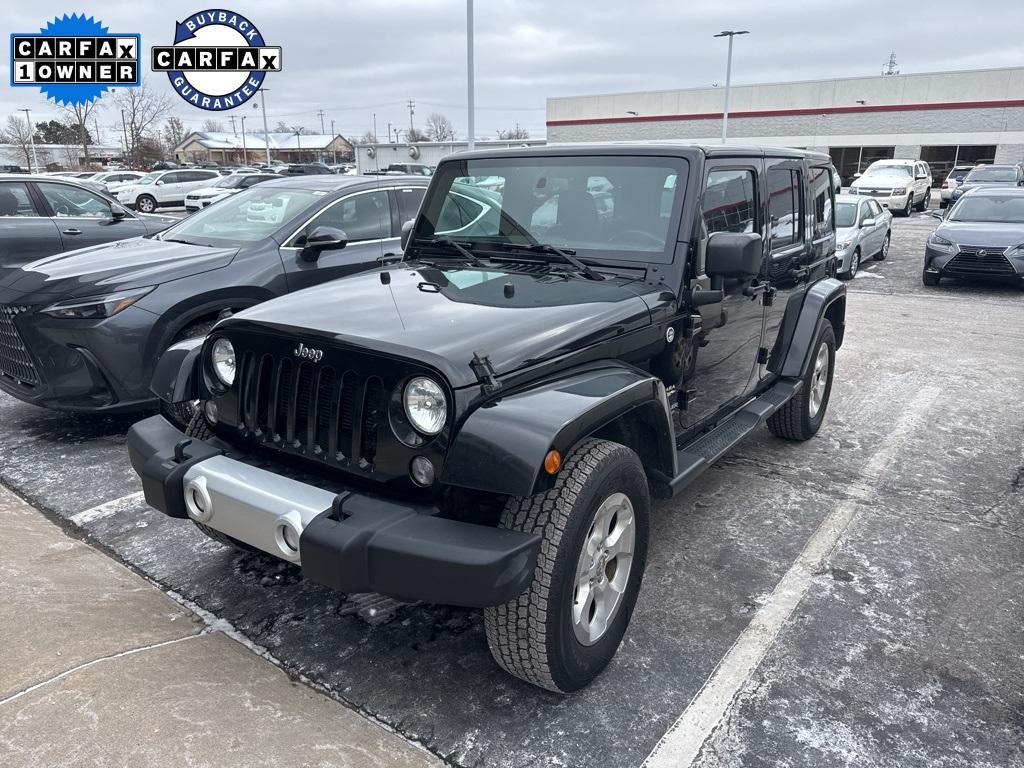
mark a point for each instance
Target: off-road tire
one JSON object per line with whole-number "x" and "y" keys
{"x": 929, "y": 279}
{"x": 199, "y": 429}
{"x": 793, "y": 421}
{"x": 145, "y": 203}
{"x": 880, "y": 256}
{"x": 181, "y": 414}
{"x": 532, "y": 636}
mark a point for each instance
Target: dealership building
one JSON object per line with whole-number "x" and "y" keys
{"x": 944, "y": 118}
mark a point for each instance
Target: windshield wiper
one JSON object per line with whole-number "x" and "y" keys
{"x": 466, "y": 254}
{"x": 566, "y": 254}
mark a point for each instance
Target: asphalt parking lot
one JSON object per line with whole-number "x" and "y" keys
{"x": 856, "y": 600}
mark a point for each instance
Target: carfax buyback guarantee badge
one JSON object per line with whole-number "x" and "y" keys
{"x": 218, "y": 61}
{"x": 74, "y": 59}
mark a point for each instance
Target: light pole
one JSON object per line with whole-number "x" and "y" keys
{"x": 266, "y": 135}
{"x": 728, "y": 78}
{"x": 334, "y": 150}
{"x": 298, "y": 144}
{"x": 469, "y": 73}
{"x": 33, "y": 162}
{"x": 245, "y": 156}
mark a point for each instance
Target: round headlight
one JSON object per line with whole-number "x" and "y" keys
{"x": 425, "y": 405}
{"x": 222, "y": 356}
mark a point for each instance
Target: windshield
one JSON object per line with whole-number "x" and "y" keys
{"x": 846, "y": 214}
{"x": 997, "y": 210}
{"x": 622, "y": 208}
{"x": 992, "y": 174}
{"x": 247, "y": 217}
{"x": 888, "y": 169}
{"x": 149, "y": 178}
{"x": 230, "y": 182}
{"x": 958, "y": 175}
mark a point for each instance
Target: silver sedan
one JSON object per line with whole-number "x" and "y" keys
{"x": 863, "y": 231}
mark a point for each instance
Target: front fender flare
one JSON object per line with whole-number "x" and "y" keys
{"x": 177, "y": 372}
{"x": 500, "y": 447}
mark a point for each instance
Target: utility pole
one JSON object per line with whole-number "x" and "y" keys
{"x": 245, "y": 155}
{"x": 374, "y": 127}
{"x": 469, "y": 73}
{"x": 33, "y": 162}
{"x": 298, "y": 144}
{"x": 96, "y": 124}
{"x": 266, "y": 134}
{"x": 124, "y": 127}
{"x": 728, "y": 78}
{"x": 334, "y": 150}
{"x": 232, "y": 119}
{"x": 321, "y": 114}
{"x": 389, "y": 131}
{"x": 411, "y": 104}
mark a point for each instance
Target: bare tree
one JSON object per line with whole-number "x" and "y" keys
{"x": 16, "y": 132}
{"x": 174, "y": 132}
{"x": 440, "y": 128}
{"x": 514, "y": 134}
{"x": 415, "y": 135}
{"x": 78, "y": 115}
{"x": 368, "y": 138}
{"x": 213, "y": 126}
{"x": 142, "y": 108}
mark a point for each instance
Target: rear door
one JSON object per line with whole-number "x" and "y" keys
{"x": 26, "y": 233}
{"x": 366, "y": 219}
{"x": 789, "y": 242}
{"x": 189, "y": 180}
{"x": 84, "y": 218}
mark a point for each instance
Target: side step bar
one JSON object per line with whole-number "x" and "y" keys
{"x": 711, "y": 446}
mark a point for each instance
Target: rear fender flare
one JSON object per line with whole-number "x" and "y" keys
{"x": 500, "y": 447}
{"x": 823, "y": 302}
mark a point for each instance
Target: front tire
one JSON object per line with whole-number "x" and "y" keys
{"x": 909, "y": 206}
{"x": 925, "y": 201}
{"x": 854, "y": 266}
{"x": 801, "y": 417}
{"x": 882, "y": 254}
{"x": 564, "y": 630}
{"x": 146, "y": 203}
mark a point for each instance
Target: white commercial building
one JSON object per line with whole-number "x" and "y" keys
{"x": 941, "y": 117}
{"x": 377, "y": 157}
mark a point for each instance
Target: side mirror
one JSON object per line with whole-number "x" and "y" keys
{"x": 159, "y": 182}
{"x": 322, "y": 239}
{"x": 734, "y": 254}
{"x": 857, "y": 175}
{"x": 867, "y": 223}
{"x": 407, "y": 232}
{"x": 118, "y": 211}
{"x": 920, "y": 176}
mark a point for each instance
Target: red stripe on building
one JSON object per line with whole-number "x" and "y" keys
{"x": 796, "y": 112}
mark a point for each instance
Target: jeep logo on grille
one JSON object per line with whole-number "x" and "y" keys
{"x": 316, "y": 355}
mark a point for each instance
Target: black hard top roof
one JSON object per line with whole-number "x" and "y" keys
{"x": 652, "y": 149}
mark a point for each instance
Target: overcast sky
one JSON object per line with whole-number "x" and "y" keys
{"x": 352, "y": 59}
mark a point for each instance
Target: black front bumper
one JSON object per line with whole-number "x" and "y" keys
{"x": 362, "y": 543}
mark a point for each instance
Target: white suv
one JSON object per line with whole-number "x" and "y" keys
{"x": 898, "y": 185}
{"x": 164, "y": 188}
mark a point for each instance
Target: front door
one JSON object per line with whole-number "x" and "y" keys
{"x": 726, "y": 357}
{"x": 85, "y": 218}
{"x": 26, "y": 233}
{"x": 365, "y": 218}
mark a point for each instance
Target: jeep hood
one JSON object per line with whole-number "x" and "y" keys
{"x": 121, "y": 265}
{"x": 443, "y": 317}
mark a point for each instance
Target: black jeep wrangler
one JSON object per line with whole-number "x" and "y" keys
{"x": 572, "y": 331}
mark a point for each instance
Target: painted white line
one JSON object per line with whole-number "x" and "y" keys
{"x": 682, "y": 743}
{"x": 107, "y": 509}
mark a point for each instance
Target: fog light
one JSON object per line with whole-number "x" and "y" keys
{"x": 422, "y": 471}
{"x": 210, "y": 409}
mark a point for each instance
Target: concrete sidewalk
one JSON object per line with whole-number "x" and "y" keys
{"x": 99, "y": 667}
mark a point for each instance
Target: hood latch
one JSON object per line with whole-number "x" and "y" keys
{"x": 484, "y": 372}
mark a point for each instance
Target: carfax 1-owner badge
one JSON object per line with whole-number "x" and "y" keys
{"x": 218, "y": 61}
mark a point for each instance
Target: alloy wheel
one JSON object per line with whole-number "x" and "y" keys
{"x": 819, "y": 381}
{"x": 603, "y": 568}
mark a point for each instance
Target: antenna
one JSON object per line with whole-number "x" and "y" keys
{"x": 889, "y": 68}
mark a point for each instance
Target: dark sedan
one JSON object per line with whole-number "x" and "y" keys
{"x": 982, "y": 237}
{"x": 82, "y": 331}
{"x": 988, "y": 176}
{"x": 41, "y": 216}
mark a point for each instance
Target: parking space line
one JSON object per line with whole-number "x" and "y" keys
{"x": 107, "y": 509}
{"x": 681, "y": 744}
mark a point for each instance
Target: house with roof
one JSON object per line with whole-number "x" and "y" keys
{"x": 251, "y": 148}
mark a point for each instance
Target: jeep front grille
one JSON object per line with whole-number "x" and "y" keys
{"x": 312, "y": 410}
{"x": 15, "y": 361}
{"x": 979, "y": 261}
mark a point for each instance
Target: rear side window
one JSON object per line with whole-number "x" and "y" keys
{"x": 784, "y": 193}
{"x": 821, "y": 194}
{"x": 409, "y": 199}
{"x": 14, "y": 200}
{"x": 729, "y": 201}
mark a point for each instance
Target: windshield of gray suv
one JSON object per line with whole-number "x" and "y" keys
{"x": 617, "y": 208}
{"x": 989, "y": 208}
{"x": 249, "y": 216}
{"x": 991, "y": 174}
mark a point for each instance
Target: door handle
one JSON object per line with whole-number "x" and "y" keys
{"x": 71, "y": 231}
